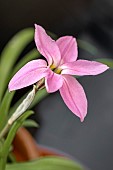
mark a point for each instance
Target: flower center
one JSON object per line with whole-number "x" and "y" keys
{"x": 55, "y": 69}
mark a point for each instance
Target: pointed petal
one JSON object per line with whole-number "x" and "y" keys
{"x": 53, "y": 81}
{"x": 28, "y": 74}
{"x": 74, "y": 96}
{"x": 68, "y": 49}
{"x": 84, "y": 67}
{"x": 46, "y": 46}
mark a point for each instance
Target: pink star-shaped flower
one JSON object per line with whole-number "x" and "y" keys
{"x": 61, "y": 56}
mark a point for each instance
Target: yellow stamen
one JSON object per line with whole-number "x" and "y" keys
{"x": 52, "y": 67}
{"x": 57, "y": 70}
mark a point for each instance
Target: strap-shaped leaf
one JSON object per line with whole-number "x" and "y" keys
{"x": 11, "y": 53}
{"x": 87, "y": 47}
{"x": 6, "y": 145}
{"x": 4, "y": 107}
{"x": 47, "y": 163}
{"x": 30, "y": 123}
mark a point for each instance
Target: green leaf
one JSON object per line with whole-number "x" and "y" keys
{"x": 30, "y": 123}
{"x": 10, "y": 55}
{"x": 18, "y": 123}
{"x": 6, "y": 146}
{"x": 87, "y": 47}
{"x": 46, "y": 163}
{"x": 4, "y": 108}
{"x": 108, "y": 62}
{"x": 38, "y": 97}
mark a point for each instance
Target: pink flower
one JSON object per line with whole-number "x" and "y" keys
{"x": 61, "y": 56}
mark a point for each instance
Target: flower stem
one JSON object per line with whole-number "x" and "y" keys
{"x": 4, "y": 131}
{"x": 2, "y": 163}
{"x": 4, "y": 148}
{"x": 19, "y": 111}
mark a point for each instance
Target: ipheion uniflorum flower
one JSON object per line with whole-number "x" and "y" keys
{"x": 60, "y": 64}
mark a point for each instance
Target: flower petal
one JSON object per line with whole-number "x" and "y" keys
{"x": 53, "y": 81}
{"x": 74, "y": 96}
{"x": 28, "y": 74}
{"x": 47, "y": 46}
{"x": 68, "y": 49}
{"x": 84, "y": 67}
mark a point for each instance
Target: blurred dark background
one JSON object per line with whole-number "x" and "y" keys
{"x": 90, "y": 142}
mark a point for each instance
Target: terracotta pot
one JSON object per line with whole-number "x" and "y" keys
{"x": 25, "y": 148}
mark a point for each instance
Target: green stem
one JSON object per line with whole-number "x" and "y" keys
{"x": 6, "y": 145}
{"x": 2, "y": 163}
{"x": 15, "y": 122}
{"x": 19, "y": 111}
{"x": 4, "y": 131}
